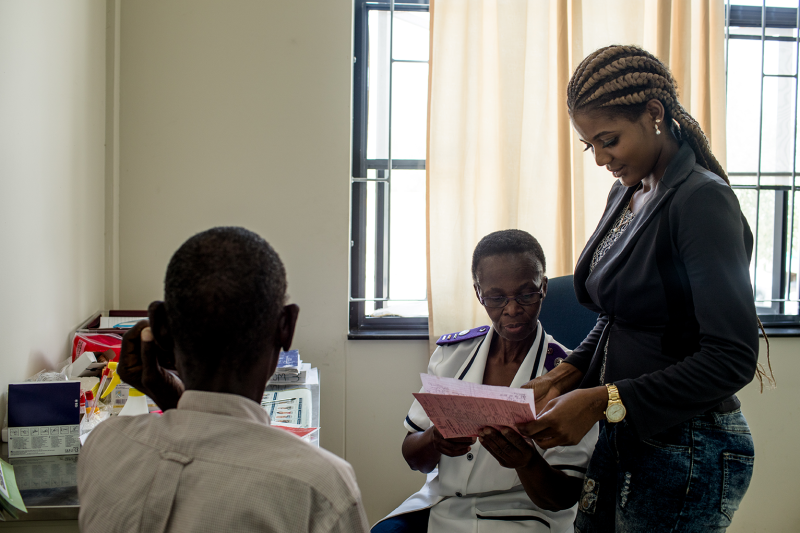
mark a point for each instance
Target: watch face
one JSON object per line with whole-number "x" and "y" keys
{"x": 615, "y": 412}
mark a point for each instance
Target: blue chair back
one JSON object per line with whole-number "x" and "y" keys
{"x": 562, "y": 316}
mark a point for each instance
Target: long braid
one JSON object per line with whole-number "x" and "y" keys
{"x": 628, "y": 76}
{"x": 617, "y": 76}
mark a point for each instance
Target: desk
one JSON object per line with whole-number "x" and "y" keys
{"x": 49, "y": 488}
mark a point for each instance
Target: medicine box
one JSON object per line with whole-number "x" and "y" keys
{"x": 44, "y": 418}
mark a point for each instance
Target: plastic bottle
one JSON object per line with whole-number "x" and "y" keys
{"x": 136, "y": 404}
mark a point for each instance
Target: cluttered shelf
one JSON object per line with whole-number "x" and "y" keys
{"x": 52, "y": 413}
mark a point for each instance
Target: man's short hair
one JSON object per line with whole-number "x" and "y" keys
{"x": 504, "y": 242}
{"x": 223, "y": 293}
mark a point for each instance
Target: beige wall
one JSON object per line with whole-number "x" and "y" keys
{"x": 381, "y": 376}
{"x": 229, "y": 113}
{"x": 52, "y": 108}
{"x": 770, "y": 504}
{"x": 239, "y": 113}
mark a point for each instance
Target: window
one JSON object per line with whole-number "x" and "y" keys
{"x": 388, "y": 271}
{"x": 762, "y": 65}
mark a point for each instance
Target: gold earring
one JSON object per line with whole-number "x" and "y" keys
{"x": 658, "y": 131}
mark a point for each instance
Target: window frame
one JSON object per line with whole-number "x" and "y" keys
{"x": 365, "y": 327}
{"x": 362, "y": 326}
{"x": 777, "y": 323}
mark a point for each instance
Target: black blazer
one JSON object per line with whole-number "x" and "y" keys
{"x": 676, "y": 306}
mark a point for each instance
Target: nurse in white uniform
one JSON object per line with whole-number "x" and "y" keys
{"x": 496, "y": 482}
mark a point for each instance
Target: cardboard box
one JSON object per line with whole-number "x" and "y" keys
{"x": 44, "y": 418}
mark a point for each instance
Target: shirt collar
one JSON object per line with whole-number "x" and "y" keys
{"x": 680, "y": 167}
{"x": 220, "y": 403}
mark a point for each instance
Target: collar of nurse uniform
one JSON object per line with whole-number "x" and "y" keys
{"x": 220, "y": 403}
{"x": 475, "y": 367}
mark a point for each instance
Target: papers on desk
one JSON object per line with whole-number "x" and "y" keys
{"x": 10, "y": 498}
{"x": 310, "y": 435}
{"x": 289, "y": 407}
{"x": 291, "y": 369}
{"x": 289, "y": 361}
{"x": 291, "y": 397}
{"x": 120, "y": 322}
{"x": 461, "y": 409}
{"x": 294, "y": 375}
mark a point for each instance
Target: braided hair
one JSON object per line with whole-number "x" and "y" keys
{"x": 621, "y": 80}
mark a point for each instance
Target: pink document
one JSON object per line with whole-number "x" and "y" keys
{"x": 461, "y": 409}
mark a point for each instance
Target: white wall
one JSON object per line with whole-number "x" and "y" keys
{"x": 52, "y": 109}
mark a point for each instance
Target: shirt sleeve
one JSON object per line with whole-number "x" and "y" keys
{"x": 354, "y": 520}
{"x": 417, "y": 420}
{"x": 711, "y": 245}
{"x": 581, "y": 356}
{"x": 572, "y": 460}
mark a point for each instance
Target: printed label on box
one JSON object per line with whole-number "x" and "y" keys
{"x": 43, "y": 440}
{"x": 119, "y": 397}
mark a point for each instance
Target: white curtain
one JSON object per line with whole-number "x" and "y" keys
{"x": 501, "y": 150}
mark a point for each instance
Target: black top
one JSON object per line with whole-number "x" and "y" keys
{"x": 671, "y": 361}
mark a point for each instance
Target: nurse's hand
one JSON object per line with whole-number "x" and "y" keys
{"x": 507, "y": 446}
{"x": 140, "y": 366}
{"x": 422, "y": 450}
{"x": 451, "y": 447}
{"x": 567, "y": 418}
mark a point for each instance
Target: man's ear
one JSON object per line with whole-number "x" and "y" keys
{"x": 544, "y": 286}
{"x": 286, "y": 325}
{"x": 159, "y": 325}
{"x": 477, "y": 291}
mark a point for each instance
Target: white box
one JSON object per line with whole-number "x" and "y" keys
{"x": 36, "y": 441}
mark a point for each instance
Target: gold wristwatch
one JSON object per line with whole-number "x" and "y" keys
{"x": 615, "y": 411}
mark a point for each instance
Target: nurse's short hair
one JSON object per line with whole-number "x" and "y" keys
{"x": 223, "y": 293}
{"x": 506, "y": 242}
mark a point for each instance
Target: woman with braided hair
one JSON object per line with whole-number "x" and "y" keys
{"x": 667, "y": 269}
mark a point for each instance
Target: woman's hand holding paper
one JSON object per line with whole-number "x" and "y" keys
{"x": 507, "y": 446}
{"x": 566, "y": 419}
{"x": 455, "y": 447}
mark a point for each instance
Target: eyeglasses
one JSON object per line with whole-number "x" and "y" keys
{"x": 523, "y": 299}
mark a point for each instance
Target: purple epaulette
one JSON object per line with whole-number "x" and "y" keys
{"x": 467, "y": 334}
{"x": 555, "y": 354}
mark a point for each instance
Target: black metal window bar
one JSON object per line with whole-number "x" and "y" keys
{"x": 767, "y": 184}
{"x": 371, "y": 186}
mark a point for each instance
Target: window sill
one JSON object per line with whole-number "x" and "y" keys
{"x": 781, "y": 331}
{"x": 388, "y": 336}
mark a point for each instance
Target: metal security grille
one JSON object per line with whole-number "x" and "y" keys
{"x": 388, "y": 284}
{"x": 762, "y": 48}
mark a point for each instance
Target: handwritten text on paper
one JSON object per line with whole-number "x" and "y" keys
{"x": 461, "y": 409}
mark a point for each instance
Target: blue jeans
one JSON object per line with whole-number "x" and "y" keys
{"x": 689, "y": 478}
{"x": 413, "y": 522}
